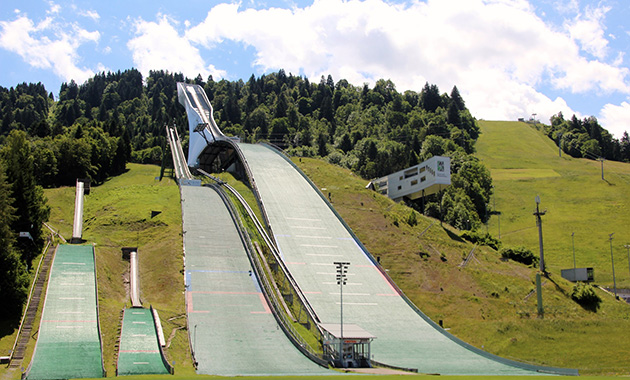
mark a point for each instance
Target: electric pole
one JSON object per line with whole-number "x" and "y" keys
{"x": 538, "y": 214}
{"x": 573, "y": 244}
{"x": 612, "y": 260}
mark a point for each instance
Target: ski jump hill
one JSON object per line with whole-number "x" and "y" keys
{"x": 310, "y": 237}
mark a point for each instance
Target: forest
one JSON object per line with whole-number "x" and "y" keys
{"x": 92, "y": 130}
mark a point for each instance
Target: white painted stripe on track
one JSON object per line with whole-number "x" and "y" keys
{"x": 359, "y": 303}
{"x": 305, "y": 219}
{"x": 318, "y": 246}
{"x": 314, "y": 237}
{"x": 349, "y": 294}
{"x": 308, "y": 227}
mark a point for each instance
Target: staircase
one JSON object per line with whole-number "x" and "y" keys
{"x": 31, "y": 310}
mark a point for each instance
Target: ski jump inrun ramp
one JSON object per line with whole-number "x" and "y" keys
{"x": 311, "y": 236}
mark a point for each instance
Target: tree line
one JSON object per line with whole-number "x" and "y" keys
{"x": 587, "y": 139}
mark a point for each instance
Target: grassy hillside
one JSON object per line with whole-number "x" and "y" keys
{"x": 525, "y": 163}
{"x": 488, "y": 303}
{"x": 118, "y": 214}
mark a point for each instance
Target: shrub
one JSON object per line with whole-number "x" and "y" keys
{"x": 520, "y": 254}
{"x": 476, "y": 237}
{"x": 412, "y": 219}
{"x": 584, "y": 294}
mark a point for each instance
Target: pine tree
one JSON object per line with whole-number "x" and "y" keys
{"x": 28, "y": 197}
{"x": 13, "y": 274}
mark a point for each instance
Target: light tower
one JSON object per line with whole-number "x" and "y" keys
{"x": 342, "y": 270}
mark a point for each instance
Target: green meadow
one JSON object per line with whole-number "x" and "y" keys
{"x": 525, "y": 163}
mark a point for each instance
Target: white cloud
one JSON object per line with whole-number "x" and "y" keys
{"x": 496, "y": 51}
{"x": 589, "y": 30}
{"x": 48, "y": 45}
{"x": 616, "y": 118}
{"x": 54, "y": 8}
{"x": 158, "y": 46}
{"x": 90, "y": 14}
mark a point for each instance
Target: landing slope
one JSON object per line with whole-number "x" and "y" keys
{"x": 69, "y": 344}
{"x": 231, "y": 327}
{"x": 139, "y": 352}
{"x": 525, "y": 163}
{"x": 311, "y": 237}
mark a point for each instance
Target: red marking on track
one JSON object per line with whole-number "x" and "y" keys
{"x": 312, "y": 292}
{"x": 265, "y": 305}
{"x": 295, "y": 263}
{"x": 388, "y": 295}
{"x": 219, "y": 292}
{"x": 189, "y": 304}
{"x": 385, "y": 279}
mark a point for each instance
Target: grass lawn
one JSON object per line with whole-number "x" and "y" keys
{"x": 525, "y": 163}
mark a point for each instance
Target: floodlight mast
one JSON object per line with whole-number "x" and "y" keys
{"x": 627, "y": 246}
{"x": 342, "y": 269}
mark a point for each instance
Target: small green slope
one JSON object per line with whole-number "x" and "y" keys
{"x": 525, "y": 163}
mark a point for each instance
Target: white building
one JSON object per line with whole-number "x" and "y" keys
{"x": 429, "y": 177}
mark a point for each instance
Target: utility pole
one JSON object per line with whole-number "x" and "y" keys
{"x": 538, "y": 214}
{"x": 342, "y": 270}
{"x": 573, "y": 244}
{"x": 627, "y": 246}
{"x": 612, "y": 260}
{"x": 601, "y": 159}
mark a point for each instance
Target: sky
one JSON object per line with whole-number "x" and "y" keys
{"x": 509, "y": 59}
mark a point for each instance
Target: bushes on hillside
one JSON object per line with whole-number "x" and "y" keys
{"x": 477, "y": 237}
{"x": 584, "y": 294}
{"x": 520, "y": 254}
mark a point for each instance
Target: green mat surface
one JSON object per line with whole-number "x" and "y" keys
{"x": 232, "y": 330}
{"x": 68, "y": 343}
{"x": 311, "y": 237}
{"x": 139, "y": 352}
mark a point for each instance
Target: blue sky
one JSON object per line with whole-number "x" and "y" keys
{"x": 508, "y": 58}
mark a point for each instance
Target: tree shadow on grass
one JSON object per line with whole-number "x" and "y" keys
{"x": 453, "y": 235}
{"x": 8, "y": 325}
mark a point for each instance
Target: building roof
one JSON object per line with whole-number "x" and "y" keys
{"x": 349, "y": 331}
